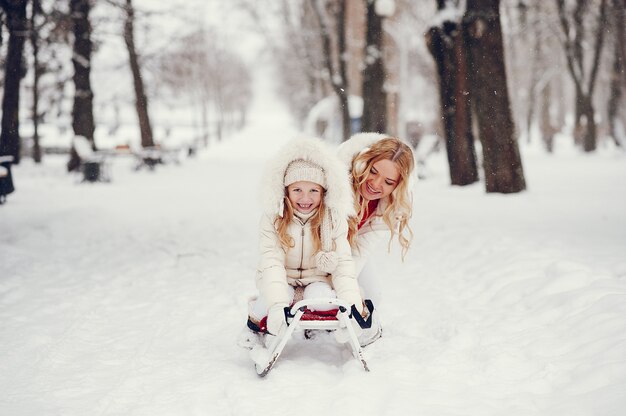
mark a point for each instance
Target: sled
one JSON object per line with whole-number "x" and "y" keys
{"x": 299, "y": 316}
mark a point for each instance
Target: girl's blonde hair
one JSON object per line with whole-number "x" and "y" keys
{"x": 282, "y": 224}
{"x": 399, "y": 208}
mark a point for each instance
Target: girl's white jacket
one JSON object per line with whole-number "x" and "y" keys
{"x": 297, "y": 267}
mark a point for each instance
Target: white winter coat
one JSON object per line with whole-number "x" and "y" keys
{"x": 278, "y": 268}
{"x": 371, "y": 237}
{"x": 296, "y": 267}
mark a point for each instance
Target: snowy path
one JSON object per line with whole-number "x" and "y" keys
{"x": 127, "y": 298}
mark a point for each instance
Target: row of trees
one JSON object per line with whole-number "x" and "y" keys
{"x": 316, "y": 49}
{"x": 497, "y": 70}
{"x": 545, "y": 53}
{"x": 75, "y": 20}
{"x": 484, "y": 72}
{"x": 199, "y": 68}
{"x": 565, "y": 66}
{"x": 468, "y": 50}
{"x": 44, "y": 36}
{"x": 576, "y": 52}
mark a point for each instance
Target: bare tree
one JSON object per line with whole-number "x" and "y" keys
{"x": 141, "y": 100}
{"x": 37, "y": 70}
{"x": 445, "y": 43}
{"x": 618, "y": 74}
{"x": 232, "y": 90}
{"x": 50, "y": 33}
{"x": 183, "y": 69}
{"x": 14, "y": 71}
{"x": 583, "y": 74}
{"x": 293, "y": 42}
{"x": 537, "y": 21}
{"x": 338, "y": 78}
{"x": 303, "y": 53}
{"x": 546, "y": 125}
{"x": 53, "y": 72}
{"x": 529, "y": 34}
{"x": 198, "y": 68}
{"x": 488, "y": 88}
{"x": 82, "y": 111}
{"x": 374, "y": 94}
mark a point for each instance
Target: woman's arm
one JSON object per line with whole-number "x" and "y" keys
{"x": 370, "y": 239}
{"x": 344, "y": 278}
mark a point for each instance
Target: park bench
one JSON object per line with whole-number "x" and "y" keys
{"x": 149, "y": 157}
{"x": 93, "y": 164}
{"x": 6, "y": 179}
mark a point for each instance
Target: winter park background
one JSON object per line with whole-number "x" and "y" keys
{"x": 127, "y": 297}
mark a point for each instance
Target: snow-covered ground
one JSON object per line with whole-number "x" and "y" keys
{"x": 127, "y": 298}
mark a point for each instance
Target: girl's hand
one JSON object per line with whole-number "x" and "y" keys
{"x": 276, "y": 318}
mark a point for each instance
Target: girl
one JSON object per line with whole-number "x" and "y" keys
{"x": 304, "y": 233}
{"x": 381, "y": 169}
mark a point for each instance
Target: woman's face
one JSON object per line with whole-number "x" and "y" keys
{"x": 304, "y": 196}
{"x": 381, "y": 180}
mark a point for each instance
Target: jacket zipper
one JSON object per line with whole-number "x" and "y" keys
{"x": 301, "y": 250}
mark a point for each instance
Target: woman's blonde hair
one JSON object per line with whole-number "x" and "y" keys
{"x": 282, "y": 224}
{"x": 399, "y": 208}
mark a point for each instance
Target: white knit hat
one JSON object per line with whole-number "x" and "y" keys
{"x": 303, "y": 170}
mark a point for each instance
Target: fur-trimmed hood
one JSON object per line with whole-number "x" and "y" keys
{"x": 338, "y": 196}
{"x": 356, "y": 144}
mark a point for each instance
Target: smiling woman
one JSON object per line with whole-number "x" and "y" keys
{"x": 381, "y": 169}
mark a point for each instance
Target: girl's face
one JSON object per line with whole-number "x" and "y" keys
{"x": 381, "y": 180}
{"x": 305, "y": 196}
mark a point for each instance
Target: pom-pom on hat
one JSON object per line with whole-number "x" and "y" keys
{"x": 303, "y": 170}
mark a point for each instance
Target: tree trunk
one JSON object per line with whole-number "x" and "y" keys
{"x": 343, "y": 92}
{"x": 338, "y": 81}
{"x": 219, "y": 109}
{"x": 535, "y": 74}
{"x": 374, "y": 95}
{"x": 82, "y": 111}
{"x": 588, "y": 124}
{"x": 488, "y": 89}
{"x": 446, "y": 45}
{"x": 14, "y": 71}
{"x": 141, "y": 101}
{"x": 585, "y": 126}
{"x": 204, "y": 121}
{"x": 546, "y": 125}
{"x": 34, "y": 40}
{"x": 618, "y": 74}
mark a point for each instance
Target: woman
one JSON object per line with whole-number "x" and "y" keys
{"x": 381, "y": 170}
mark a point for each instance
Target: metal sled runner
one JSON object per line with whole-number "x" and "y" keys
{"x": 299, "y": 316}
